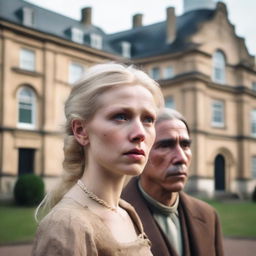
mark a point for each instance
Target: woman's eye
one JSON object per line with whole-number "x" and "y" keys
{"x": 149, "y": 119}
{"x": 120, "y": 117}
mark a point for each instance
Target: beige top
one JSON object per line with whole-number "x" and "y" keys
{"x": 71, "y": 228}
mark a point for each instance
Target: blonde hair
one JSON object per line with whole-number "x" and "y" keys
{"x": 82, "y": 104}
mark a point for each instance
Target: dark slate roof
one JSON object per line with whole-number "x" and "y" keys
{"x": 48, "y": 21}
{"x": 151, "y": 40}
{"x": 146, "y": 41}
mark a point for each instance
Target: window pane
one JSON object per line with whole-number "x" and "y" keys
{"x": 219, "y": 67}
{"x": 155, "y": 73}
{"x": 254, "y": 167}
{"x": 253, "y": 122}
{"x": 75, "y": 72}
{"x": 26, "y": 108}
{"x": 169, "y": 102}
{"x": 77, "y": 35}
{"x": 168, "y": 72}
{"x": 96, "y": 41}
{"x": 218, "y": 113}
{"x": 27, "y": 59}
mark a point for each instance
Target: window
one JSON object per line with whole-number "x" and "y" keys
{"x": 169, "y": 102}
{"x": 27, "y": 16}
{"x": 254, "y": 86}
{"x": 77, "y": 35}
{"x": 218, "y": 113}
{"x": 27, "y": 59}
{"x": 96, "y": 41}
{"x": 168, "y": 72}
{"x": 126, "y": 49}
{"x": 26, "y": 108}
{"x": 155, "y": 73}
{"x": 219, "y": 66}
{"x": 253, "y": 122}
{"x": 75, "y": 72}
{"x": 253, "y": 167}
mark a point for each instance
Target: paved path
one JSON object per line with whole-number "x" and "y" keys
{"x": 233, "y": 247}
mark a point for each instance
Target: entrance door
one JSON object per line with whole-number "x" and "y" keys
{"x": 26, "y": 160}
{"x": 219, "y": 173}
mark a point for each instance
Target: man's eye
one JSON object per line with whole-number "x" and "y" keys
{"x": 120, "y": 117}
{"x": 185, "y": 144}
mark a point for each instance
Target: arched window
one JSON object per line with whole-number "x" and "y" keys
{"x": 26, "y": 108}
{"x": 219, "y": 66}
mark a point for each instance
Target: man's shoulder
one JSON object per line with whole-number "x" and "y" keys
{"x": 194, "y": 203}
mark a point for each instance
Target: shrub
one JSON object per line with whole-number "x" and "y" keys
{"x": 254, "y": 195}
{"x": 28, "y": 190}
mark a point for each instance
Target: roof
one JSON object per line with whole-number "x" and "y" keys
{"x": 145, "y": 41}
{"x": 151, "y": 40}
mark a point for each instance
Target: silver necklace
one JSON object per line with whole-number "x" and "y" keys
{"x": 94, "y": 197}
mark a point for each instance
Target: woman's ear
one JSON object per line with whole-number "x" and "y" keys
{"x": 80, "y": 131}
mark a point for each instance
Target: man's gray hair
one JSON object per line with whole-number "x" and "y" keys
{"x": 171, "y": 114}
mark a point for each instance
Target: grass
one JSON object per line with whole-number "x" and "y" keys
{"x": 238, "y": 219}
{"x": 17, "y": 224}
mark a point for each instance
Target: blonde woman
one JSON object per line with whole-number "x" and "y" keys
{"x": 109, "y": 132}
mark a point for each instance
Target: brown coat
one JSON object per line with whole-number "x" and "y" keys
{"x": 200, "y": 225}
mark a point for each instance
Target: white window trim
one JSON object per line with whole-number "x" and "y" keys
{"x": 31, "y": 125}
{"x": 213, "y": 122}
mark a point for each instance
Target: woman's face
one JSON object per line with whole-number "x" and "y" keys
{"x": 122, "y": 132}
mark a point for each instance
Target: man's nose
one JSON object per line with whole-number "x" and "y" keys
{"x": 137, "y": 131}
{"x": 179, "y": 155}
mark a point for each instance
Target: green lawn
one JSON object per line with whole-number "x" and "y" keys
{"x": 17, "y": 224}
{"x": 238, "y": 219}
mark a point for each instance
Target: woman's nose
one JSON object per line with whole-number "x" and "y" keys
{"x": 137, "y": 132}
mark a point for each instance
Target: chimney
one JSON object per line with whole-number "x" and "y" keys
{"x": 170, "y": 25}
{"x": 137, "y": 20}
{"x": 86, "y": 16}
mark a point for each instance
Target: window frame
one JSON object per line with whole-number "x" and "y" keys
{"x": 29, "y": 103}
{"x": 167, "y": 74}
{"x": 96, "y": 41}
{"x": 77, "y": 35}
{"x": 28, "y": 16}
{"x": 219, "y": 67}
{"x": 253, "y": 122}
{"x": 169, "y": 102}
{"x": 74, "y": 78}
{"x": 152, "y": 73}
{"x": 220, "y": 113}
{"x": 27, "y": 60}
{"x": 253, "y": 167}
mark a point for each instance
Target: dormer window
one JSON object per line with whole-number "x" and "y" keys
{"x": 96, "y": 41}
{"x": 27, "y": 16}
{"x": 77, "y": 35}
{"x": 126, "y": 49}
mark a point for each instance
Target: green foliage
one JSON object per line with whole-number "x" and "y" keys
{"x": 28, "y": 190}
{"x": 254, "y": 195}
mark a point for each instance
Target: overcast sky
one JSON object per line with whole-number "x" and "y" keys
{"x": 116, "y": 15}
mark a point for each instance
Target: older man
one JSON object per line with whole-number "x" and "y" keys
{"x": 176, "y": 223}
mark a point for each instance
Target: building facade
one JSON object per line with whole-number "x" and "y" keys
{"x": 202, "y": 65}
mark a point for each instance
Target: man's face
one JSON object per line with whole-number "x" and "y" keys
{"x": 169, "y": 159}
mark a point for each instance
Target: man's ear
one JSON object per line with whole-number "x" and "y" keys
{"x": 80, "y": 131}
